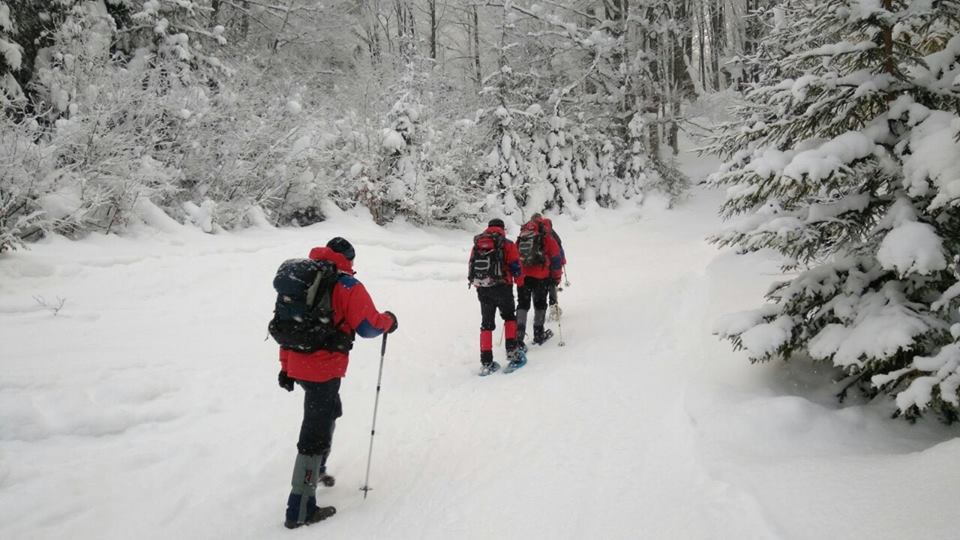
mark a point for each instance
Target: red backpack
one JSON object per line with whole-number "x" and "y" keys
{"x": 530, "y": 244}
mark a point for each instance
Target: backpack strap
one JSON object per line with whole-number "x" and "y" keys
{"x": 340, "y": 341}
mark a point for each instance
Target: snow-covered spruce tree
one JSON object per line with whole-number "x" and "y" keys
{"x": 11, "y": 58}
{"x": 20, "y": 157}
{"x": 401, "y": 191}
{"x": 558, "y": 148}
{"x": 620, "y": 58}
{"x": 846, "y": 160}
{"x": 506, "y": 125}
{"x": 450, "y": 170}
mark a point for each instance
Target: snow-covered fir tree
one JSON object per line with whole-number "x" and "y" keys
{"x": 845, "y": 158}
{"x": 11, "y": 58}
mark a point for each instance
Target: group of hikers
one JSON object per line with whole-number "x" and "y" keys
{"x": 535, "y": 263}
{"x": 321, "y": 307}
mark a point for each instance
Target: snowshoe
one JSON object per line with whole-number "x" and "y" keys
{"x": 319, "y": 513}
{"x": 541, "y": 338}
{"x": 521, "y": 346}
{"x": 518, "y": 361}
{"x": 487, "y": 369}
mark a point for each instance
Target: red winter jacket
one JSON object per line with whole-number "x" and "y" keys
{"x": 510, "y": 254}
{"x": 353, "y": 306}
{"x": 549, "y": 227}
{"x": 552, "y": 266}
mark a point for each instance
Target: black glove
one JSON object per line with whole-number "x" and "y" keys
{"x": 285, "y": 381}
{"x": 393, "y": 327}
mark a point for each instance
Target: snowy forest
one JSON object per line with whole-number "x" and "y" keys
{"x": 841, "y": 141}
{"x": 759, "y": 201}
{"x": 225, "y": 113}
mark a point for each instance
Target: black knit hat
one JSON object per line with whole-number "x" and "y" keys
{"x": 342, "y": 247}
{"x": 496, "y": 222}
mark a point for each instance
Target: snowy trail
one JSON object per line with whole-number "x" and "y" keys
{"x": 149, "y": 405}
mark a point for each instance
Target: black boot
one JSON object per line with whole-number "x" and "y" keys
{"x": 521, "y": 329}
{"x": 540, "y": 335}
{"x": 317, "y": 513}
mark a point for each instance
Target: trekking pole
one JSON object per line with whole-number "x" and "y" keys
{"x": 373, "y": 429}
{"x": 559, "y": 324}
{"x": 566, "y": 282}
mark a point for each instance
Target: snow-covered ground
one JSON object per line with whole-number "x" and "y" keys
{"x": 147, "y": 406}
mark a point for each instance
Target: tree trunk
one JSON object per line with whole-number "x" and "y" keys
{"x": 406, "y": 29}
{"x": 476, "y": 47}
{"x": 889, "y": 62}
{"x": 370, "y": 19}
{"x": 751, "y": 39}
{"x": 433, "y": 28}
{"x": 653, "y": 92}
{"x": 682, "y": 86}
{"x": 718, "y": 39}
{"x": 283, "y": 26}
{"x": 701, "y": 37}
{"x": 214, "y": 12}
{"x": 245, "y": 20}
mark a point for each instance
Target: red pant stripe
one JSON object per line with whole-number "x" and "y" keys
{"x": 486, "y": 340}
{"x": 510, "y": 329}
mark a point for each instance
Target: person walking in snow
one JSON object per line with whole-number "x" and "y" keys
{"x": 554, "y": 285}
{"x": 494, "y": 265}
{"x": 541, "y": 263}
{"x": 319, "y": 374}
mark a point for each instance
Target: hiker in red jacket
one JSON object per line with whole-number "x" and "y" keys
{"x": 555, "y": 310}
{"x": 319, "y": 374}
{"x": 542, "y": 264}
{"x": 494, "y": 264}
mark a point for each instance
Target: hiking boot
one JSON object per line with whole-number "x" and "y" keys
{"x": 302, "y": 507}
{"x": 540, "y": 336}
{"x": 517, "y": 360}
{"x": 489, "y": 368}
{"x": 317, "y": 513}
{"x": 521, "y": 346}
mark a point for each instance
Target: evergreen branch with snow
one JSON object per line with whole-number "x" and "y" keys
{"x": 845, "y": 160}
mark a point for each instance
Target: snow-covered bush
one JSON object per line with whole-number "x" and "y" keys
{"x": 24, "y": 169}
{"x": 134, "y": 118}
{"x": 99, "y": 147}
{"x": 846, "y": 159}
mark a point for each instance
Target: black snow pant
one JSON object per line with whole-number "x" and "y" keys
{"x": 537, "y": 290}
{"x": 321, "y": 408}
{"x": 497, "y": 297}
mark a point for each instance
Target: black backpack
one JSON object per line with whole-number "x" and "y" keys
{"x": 530, "y": 245}
{"x": 303, "y": 318}
{"x": 487, "y": 260}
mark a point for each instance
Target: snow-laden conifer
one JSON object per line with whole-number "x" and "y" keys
{"x": 845, "y": 158}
